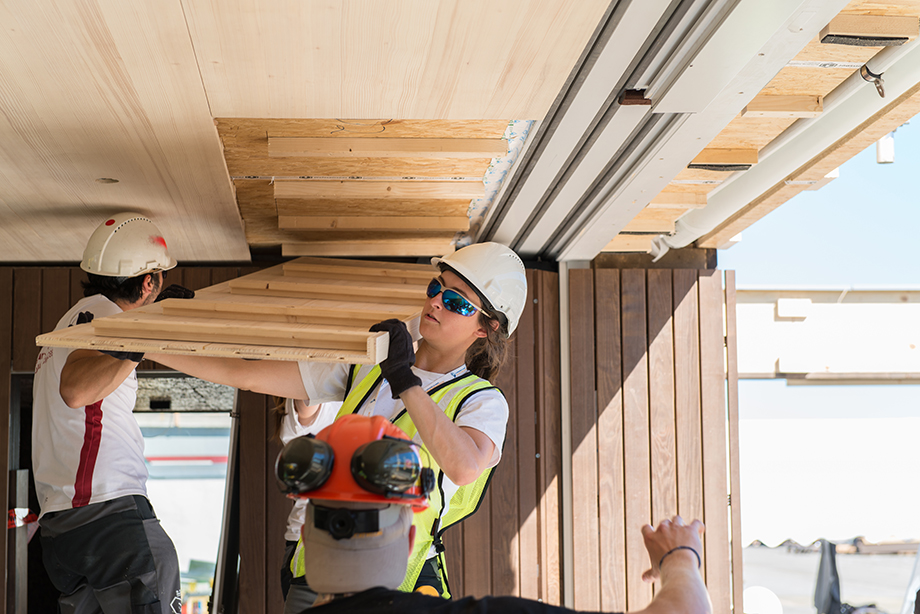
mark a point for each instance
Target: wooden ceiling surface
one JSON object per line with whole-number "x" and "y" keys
{"x": 460, "y": 59}
{"x": 83, "y": 96}
{"x": 95, "y": 89}
{"x": 745, "y": 133}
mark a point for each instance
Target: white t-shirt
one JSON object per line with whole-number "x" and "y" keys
{"x": 90, "y": 454}
{"x": 485, "y": 411}
{"x": 291, "y": 428}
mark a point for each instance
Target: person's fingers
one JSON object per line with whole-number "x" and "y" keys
{"x": 647, "y": 531}
{"x": 678, "y": 520}
{"x": 649, "y": 575}
{"x": 699, "y": 526}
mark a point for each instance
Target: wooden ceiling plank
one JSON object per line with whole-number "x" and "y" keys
{"x": 712, "y": 155}
{"x": 872, "y": 27}
{"x": 384, "y": 270}
{"x": 374, "y": 207}
{"x": 678, "y": 200}
{"x": 245, "y": 164}
{"x": 379, "y": 247}
{"x": 243, "y": 131}
{"x": 281, "y": 147}
{"x": 765, "y": 105}
{"x": 380, "y": 189}
{"x": 380, "y": 222}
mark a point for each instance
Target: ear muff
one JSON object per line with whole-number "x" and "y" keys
{"x": 304, "y": 464}
{"x": 387, "y": 466}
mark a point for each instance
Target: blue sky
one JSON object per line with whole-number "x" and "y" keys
{"x": 860, "y": 229}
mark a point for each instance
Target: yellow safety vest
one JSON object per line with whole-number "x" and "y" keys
{"x": 430, "y": 524}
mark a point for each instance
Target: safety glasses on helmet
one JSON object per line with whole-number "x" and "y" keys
{"x": 453, "y": 301}
{"x": 389, "y": 467}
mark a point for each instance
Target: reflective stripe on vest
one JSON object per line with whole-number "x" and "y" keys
{"x": 465, "y": 500}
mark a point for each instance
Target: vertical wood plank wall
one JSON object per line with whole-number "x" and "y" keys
{"x": 650, "y": 428}
{"x": 512, "y": 545}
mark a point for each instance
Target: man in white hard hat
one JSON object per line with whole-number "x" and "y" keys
{"x": 103, "y": 546}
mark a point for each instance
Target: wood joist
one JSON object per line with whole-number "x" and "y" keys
{"x": 308, "y": 309}
{"x": 358, "y": 187}
{"x": 797, "y": 91}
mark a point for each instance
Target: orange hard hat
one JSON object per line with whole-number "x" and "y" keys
{"x": 359, "y": 459}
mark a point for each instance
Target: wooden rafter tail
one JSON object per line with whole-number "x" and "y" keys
{"x": 400, "y": 223}
{"x": 679, "y": 200}
{"x": 870, "y": 30}
{"x": 312, "y": 189}
{"x": 308, "y": 147}
{"x": 629, "y": 243}
{"x": 768, "y": 105}
{"x": 727, "y": 156}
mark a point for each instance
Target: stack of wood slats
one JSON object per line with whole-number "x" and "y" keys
{"x": 311, "y": 309}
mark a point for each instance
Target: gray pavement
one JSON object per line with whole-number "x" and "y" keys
{"x": 864, "y": 579}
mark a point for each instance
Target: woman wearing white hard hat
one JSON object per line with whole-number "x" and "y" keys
{"x": 440, "y": 395}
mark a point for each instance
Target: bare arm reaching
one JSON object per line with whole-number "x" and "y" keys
{"x": 673, "y": 549}
{"x": 89, "y": 376}
{"x": 276, "y": 377}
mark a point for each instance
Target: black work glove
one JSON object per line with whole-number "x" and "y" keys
{"x": 85, "y": 317}
{"x": 397, "y": 368}
{"x": 174, "y": 291}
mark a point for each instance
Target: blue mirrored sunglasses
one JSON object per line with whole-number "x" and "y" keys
{"x": 452, "y": 300}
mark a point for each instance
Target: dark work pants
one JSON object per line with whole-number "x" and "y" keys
{"x": 111, "y": 557}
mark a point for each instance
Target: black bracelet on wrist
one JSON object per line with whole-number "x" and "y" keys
{"x": 699, "y": 561}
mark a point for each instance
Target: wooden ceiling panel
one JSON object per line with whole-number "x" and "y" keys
{"x": 403, "y": 58}
{"x": 107, "y": 89}
{"x": 750, "y": 132}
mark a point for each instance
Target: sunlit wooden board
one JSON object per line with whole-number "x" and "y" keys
{"x": 270, "y": 314}
{"x": 372, "y": 247}
{"x": 83, "y": 337}
{"x": 400, "y": 59}
{"x": 629, "y": 243}
{"x": 107, "y": 89}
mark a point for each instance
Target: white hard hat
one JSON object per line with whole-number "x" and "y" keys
{"x": 126, "y": 245}
{"x": 496, "y": 273}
